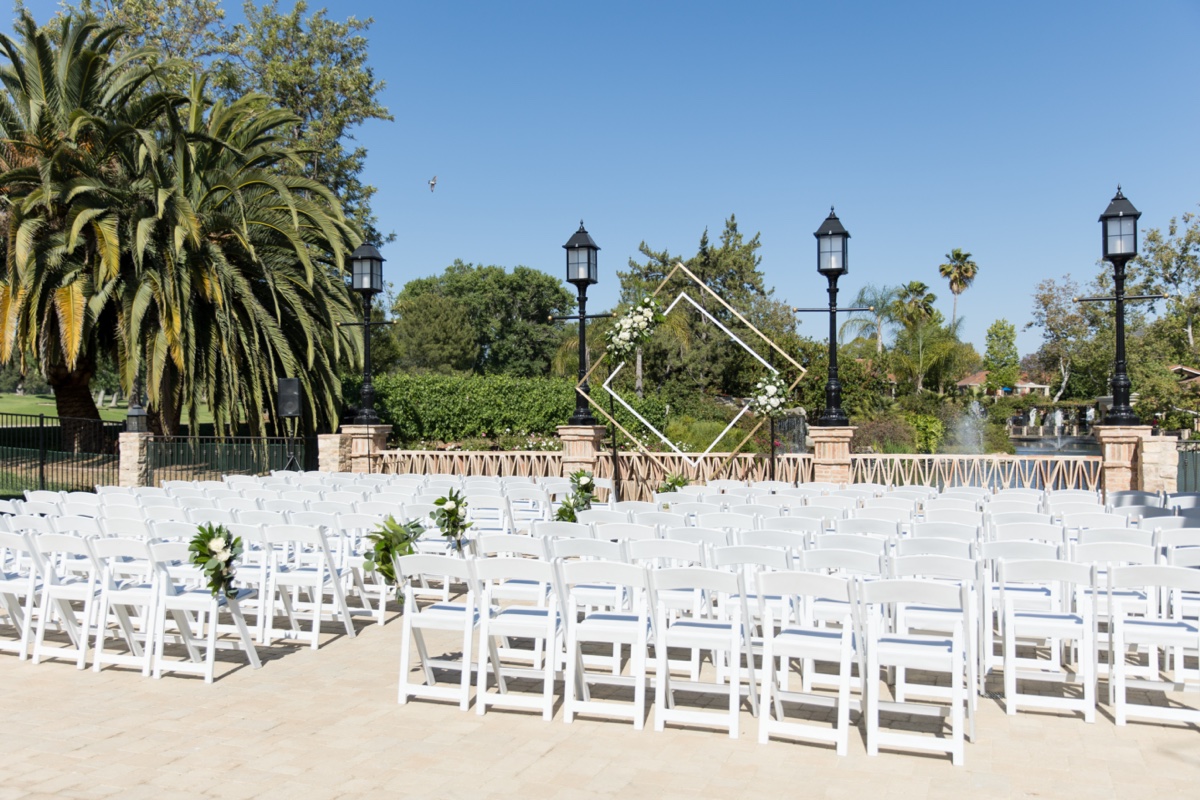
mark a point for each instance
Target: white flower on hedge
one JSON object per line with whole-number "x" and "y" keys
{"x": 449, "y": 505}
{"x": 216, "y": 544}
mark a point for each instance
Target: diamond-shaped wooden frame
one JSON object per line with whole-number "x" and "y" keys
{"x": 680, "y": 268}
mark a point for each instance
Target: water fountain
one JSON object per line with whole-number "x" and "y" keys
{"x": 970, "y": 427}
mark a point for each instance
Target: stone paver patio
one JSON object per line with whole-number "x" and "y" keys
{"x": 326, "y": 724}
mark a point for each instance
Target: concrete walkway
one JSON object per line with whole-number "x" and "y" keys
{"x": 325, "y": 724}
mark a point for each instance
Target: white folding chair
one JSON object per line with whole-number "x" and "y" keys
{"x": 624, "y": 619}
{"x": 461, "y": 616}
{"x": 723, "y": 629}
{"x": 20, "y": 584}
{"x": 127, "y": 585}
{"x": 887, "y": 644}
{"x": 1164, "y": 626}
{"x": 540, "y": 623}
{"x": 69, "y": 575}
{"x": 186, "y": 601}
{"x": 798, "y": 636}
{"x": 300, "y": 560}
{"x": 1073, "y": 621}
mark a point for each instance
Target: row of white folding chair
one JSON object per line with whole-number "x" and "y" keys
{"x": 626, "y": 615}
{"x": 889, "y": 643}
{"x": 56, "y": 572}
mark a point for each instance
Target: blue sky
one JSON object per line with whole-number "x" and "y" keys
{"x": 1000, "y": 128}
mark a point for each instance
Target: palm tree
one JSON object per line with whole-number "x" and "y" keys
{"x": 880, "y": 299}
{"x": 913, "y": 304}
{"x": 71, "y": 115}
{"x": 237, "y": 273}
{"x": 960, "y": 270}
{"x": 926, "y": 348}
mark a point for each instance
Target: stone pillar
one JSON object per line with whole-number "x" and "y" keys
{"x": 366, "y": 441}
{"x": 1159, "y": 462}
{"x": 581, "y": 447}
{"x": 1120, "y": 446}
{"x": 831, "y": 454}
{"x": 333, "y": 452}
{"x": 134, "y": 466}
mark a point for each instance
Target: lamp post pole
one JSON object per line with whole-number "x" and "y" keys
{"x": 366, "y": 396}
{"x": 583, "y": 414}
{"x": 833, "y": 416}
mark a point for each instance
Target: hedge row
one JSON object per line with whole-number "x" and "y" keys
{"x": 449, "y": 408}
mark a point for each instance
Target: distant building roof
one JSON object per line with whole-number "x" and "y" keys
{"x": 977, "y": 379}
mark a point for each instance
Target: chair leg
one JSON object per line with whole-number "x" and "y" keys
{"x": 663, "y": 694}
{"x": 957, "y": 700}
{"x": 481, "y": 682}
{"x": 843, "y": 701}
{"x": 735, "y": 683}
{"x": 210, "y": 653}
{"x": 235, "y": 610}
{"x": 405, "y": 657}
{"x": 464, "y": 680}
{"x": 1010, "y": 669}
{"x": 571, "y": 677}
{"x": 638, "y": 667}
{"x": 768, "y": 684}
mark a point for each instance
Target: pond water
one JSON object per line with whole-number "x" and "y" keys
{"x": 1060, "y": 446}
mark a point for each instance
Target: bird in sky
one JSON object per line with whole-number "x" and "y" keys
{"x": 432, "y": 182}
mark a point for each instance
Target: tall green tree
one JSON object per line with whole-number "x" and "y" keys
{"x": 1171, "y": 261}
{"x": 874, "y": 323}
{"x": 704, "y": 358}
{"x": 315, "y": 67}
{"x": 1000, "y": 358}
{"x": 926, "y": 352}
{"x": 509, "y": 313}
{"x": 914, "y": 304}
{"x": 960, "y": 271}
{"x": 236, "y": 272}
{"x": 76, "y": 124}
{"x": 434, "y": 334}
{"x": 1063, "y": 325}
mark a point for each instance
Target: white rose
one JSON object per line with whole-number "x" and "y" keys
{"x": 224, "y": 555}
{"x": 624, "y": 336}
{"x": 771, "y": 390}
{"x": 449, "y": 505}
{"x": 641, "y": 325}
{"x": 774, "y": 402}
{"x": 585, "y": 481}
{"x": 216, "y": 544}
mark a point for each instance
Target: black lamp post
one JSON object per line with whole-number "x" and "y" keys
{"x": 366, "y": 278}
{"x": 581, "y": 271}
{"x": 832, "y": 251}
{"x": 1119, "y": 225}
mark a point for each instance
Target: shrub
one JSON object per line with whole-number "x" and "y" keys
{"x": 888, "y": 434}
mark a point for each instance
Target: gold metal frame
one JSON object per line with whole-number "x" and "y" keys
{"x": 680, "y": 268}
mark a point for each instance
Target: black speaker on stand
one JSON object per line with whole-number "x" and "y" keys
{"x": 287, "y": 406}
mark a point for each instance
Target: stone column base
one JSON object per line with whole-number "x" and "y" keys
{"x": 134, "y": 466}
{"x": 581, "y": 447}
{"x": 333, "y": 452}
{"x": 1120, "y": 446}
{"x": 831, "y": 454}
{"x": 366, "y": 441}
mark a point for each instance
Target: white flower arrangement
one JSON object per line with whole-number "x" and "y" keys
{"x": 770, "y": 396}
{"x": 634, "y": 329}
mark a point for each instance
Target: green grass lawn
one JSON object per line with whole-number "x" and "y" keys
{"x": 44, "y": 404}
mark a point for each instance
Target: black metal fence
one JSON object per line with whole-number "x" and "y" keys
{"x": 203, "y": 458}
{"x": 57, "y": 453}
{"x": 1189, "y": 467}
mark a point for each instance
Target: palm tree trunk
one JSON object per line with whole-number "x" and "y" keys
{"x": 954, "y": 312}
{"x": 78, "y": 416}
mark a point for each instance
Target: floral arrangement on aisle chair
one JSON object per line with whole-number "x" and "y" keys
{"x": 583, "y": 492}
{"x": 216, "y": 552}
{"x": 451, "y": 518}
